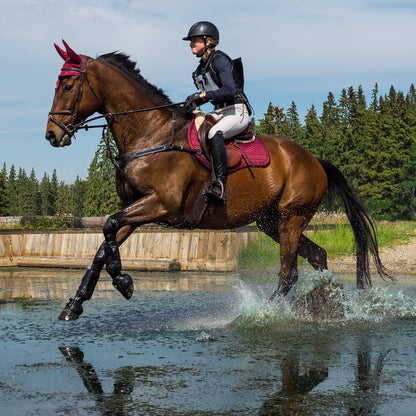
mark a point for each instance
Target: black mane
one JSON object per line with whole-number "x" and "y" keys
{"x": 123, "y": 62}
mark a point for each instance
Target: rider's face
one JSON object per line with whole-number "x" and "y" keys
{"x": 197, "y": 45}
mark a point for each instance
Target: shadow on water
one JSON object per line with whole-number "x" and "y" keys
{"x": 206, "y": 344}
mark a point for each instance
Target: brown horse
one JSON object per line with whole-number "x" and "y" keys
{"x": 158, "y": 180}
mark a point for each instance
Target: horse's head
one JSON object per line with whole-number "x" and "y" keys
{"x": 72, "y": 103}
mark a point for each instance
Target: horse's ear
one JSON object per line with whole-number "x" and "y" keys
{"x": 61, "y": 52}
{"x": 75, "y": 58}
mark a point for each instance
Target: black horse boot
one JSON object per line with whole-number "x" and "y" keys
{"x": 216, "y": 192}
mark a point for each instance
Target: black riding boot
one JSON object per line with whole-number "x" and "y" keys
{"x": 216, "y": 192}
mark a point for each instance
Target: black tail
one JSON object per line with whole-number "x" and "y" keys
{"x": 362, "y": 224}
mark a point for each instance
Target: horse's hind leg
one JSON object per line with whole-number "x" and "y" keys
{"x": 314, "y": 254}
{"x": 290, "y": 230}
{"x": 73, "y": 309}
{"x": 285, "y": 230}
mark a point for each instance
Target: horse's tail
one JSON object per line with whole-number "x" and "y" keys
{"x": 362, "y": 224}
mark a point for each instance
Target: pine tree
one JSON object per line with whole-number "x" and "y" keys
{"x": 46, "y": 202}
{"x": 78, "y": 192}
{"x": 64, "y": 201}
{"x": 4, "y": 193}
{"x": 53, "y": 192}
{"x": 33, "y": 195}
{"x": 312, "y": 140}
{"x": 293, "y": 127}
{"x": 374, "y": 99}
{"x": 405, "y": 194}
{"x": 274, "y": 122}
{"x": 100, "y": 191}
{"x": 331, "y": 134}
{"x": 12, "y": 190}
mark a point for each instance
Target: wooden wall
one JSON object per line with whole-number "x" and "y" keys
{"x": 146, "y": 249}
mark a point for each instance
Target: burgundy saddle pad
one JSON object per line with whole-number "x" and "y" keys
{"x": 253, "y": 153}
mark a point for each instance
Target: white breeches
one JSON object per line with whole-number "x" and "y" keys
{"x": 231, "y": 120}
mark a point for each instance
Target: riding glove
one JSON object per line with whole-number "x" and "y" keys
{"x": 193, "y": 101}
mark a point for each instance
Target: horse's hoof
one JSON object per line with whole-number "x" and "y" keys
{"x": 68, "y": 315}
{"x": 73, "y": 309}
{"x": 124, "y": 284}
{"x": 274, "y": 294}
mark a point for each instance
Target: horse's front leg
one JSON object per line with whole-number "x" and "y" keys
{"x": 121, "y": 281}
{"x": 73, "y": 309}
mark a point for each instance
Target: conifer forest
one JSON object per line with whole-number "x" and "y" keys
{"x": 373, "y": 144}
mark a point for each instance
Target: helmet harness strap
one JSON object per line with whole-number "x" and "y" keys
{"x": 200, "y": 54}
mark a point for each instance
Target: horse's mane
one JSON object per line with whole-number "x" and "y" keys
{"x": 123, "y": 62}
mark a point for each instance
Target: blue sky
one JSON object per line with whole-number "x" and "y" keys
{"x": 293, "y": 50}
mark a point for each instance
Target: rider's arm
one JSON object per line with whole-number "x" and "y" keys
{"x": 223, "y": 68}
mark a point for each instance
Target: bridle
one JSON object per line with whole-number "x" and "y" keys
{"x": 121, "y": 160}
{"x": 73, "y": 127}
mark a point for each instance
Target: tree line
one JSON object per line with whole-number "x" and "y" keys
{"x": 22, "y": 194}
{"x": 373, "y": 144}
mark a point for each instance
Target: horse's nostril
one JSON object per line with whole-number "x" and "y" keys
{"x": 50, "y": 135}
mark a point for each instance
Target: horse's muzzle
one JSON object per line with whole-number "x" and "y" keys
{"x": 64, "y": 140}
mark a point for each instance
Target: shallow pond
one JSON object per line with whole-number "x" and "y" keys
{"x": 203, "y": 344}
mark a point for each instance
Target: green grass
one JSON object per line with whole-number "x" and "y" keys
{"x": 337, "y": 241}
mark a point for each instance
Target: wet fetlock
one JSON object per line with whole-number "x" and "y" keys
{"x": 112, "y": 258}
{"x": 72, "y": 310}
{"x": 124, "y": 284}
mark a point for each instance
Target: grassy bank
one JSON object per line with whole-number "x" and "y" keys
{"x": 338, "y": 241}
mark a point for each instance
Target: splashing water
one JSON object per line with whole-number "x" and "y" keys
{"x": 319, "y": 296}
{"x": 257, "y": 312}
{"x": 378, "y": 304}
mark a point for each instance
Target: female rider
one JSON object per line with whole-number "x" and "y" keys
{"x": 220, "y": 81}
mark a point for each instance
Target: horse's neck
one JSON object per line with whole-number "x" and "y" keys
{"x": 138, "y": 130}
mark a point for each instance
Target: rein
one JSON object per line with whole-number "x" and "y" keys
{"x": 122, "y": 160}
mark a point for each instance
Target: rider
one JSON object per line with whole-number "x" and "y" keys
{"x": 220, "y": 81}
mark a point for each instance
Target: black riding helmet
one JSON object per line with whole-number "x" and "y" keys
{"x": 203, "y": 29}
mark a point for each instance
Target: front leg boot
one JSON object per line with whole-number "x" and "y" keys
{"x": 124, "y": 284}
{"x": 72, "y": 310}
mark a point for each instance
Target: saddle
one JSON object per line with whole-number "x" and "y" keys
{"x": 231, "y": 145}
{"x": 244, "y": 150}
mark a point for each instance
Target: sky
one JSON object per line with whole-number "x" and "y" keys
{"x": 293, "y": 51}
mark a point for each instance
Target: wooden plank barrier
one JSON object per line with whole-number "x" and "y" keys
{"x": 149, "y": 248}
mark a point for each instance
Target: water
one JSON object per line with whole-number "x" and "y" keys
{"x": 204, "y": 344}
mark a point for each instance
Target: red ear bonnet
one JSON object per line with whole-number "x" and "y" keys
{"x": 73, "y": 62}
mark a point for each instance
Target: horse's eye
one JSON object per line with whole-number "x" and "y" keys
{"x": 67, "y": 87}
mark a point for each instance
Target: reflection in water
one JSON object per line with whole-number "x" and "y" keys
{"x": 33, "y": 284}
{"x": 108, "y": 404}
{"x": 292, "y": 398}
{"x": 367, "y": 380}
{"x": 294, "y": 386}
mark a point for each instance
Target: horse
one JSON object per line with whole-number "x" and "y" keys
{"x": 159, "y": 179}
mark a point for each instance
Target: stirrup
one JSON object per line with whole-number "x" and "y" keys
{"x": 216, "y": 193}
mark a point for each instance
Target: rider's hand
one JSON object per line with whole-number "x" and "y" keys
{"x": 193, "y": 101}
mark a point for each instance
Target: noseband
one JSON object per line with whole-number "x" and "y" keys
{"x": 72, "y": 127}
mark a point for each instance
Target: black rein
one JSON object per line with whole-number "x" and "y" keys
{"x": 121, "y": 160}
